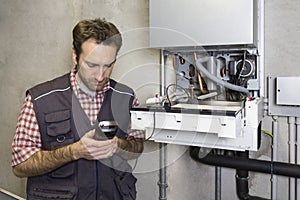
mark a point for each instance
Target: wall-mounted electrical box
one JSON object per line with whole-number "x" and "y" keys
{"x": 283, "y": 96}
{"x": 203, "y": 23}
{"x": 286, "y": 91}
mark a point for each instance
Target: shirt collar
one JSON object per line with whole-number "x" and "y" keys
{"x": 78, "y": 88}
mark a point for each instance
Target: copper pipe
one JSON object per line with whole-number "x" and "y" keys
{"x": 223, "y": 71}
{"x": 201, "y": 81}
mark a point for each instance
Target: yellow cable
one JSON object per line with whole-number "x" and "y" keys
{"x": 267, "y": 133}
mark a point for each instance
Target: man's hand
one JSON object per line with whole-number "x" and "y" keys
{"x": 91, "y": 149}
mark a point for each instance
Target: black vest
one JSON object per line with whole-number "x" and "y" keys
{"x": 62, "y": 121}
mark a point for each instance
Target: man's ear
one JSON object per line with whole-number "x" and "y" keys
{"x": 74, "y": 56}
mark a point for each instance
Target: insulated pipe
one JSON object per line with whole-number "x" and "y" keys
{"x": 274, "y": 156}
{"x": 298, "y": 155}
{"x": 242, "y": 178}
{"x": 292, "y": 156}
{"x": 269, "y": 167}
{"x": 215, "y": 79}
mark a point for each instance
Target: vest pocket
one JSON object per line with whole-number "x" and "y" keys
{"x": 59, "y": 128}
{"x": 58, "y": 122}
{"x": 59, "y": 134}
{"x": 45, "y": 192}
{"x": 58, "y": 116}
{"x": 125, "y": 183}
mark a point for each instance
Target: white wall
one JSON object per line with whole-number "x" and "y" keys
{"x": 35, "y": 43}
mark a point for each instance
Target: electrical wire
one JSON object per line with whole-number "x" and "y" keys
{"x": 267, "y": 133}
{"x": 153, "y": 130}
{"x": 154, "y": 111}
{"x": 238, "y": 74}
{"x": 136, "y": 149}
{"x": 167, "y": 91}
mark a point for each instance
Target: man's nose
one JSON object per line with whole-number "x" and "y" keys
{"x": 100, "y": 73}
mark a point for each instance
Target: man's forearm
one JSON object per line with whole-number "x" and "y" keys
{"x": 43, "y": 162}
{"x": 130, "y": 149}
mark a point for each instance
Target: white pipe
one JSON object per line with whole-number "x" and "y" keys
{"x": 215, "y": 79}
{"x": 274, "y": 156}
{"x": 212, "y": 68}
{"x": 292, "y": 156}
{"x": 298, "y": 156}
{"x": 261, "y": 47}
{"x": 162, "y": 74}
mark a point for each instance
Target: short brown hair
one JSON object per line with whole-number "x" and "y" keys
{"x": 98, "y": 29}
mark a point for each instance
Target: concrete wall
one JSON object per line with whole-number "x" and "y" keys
{"x": 35, "y": 43}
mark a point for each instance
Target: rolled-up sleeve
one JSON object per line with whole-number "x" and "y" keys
{"x": 27, "y": 139}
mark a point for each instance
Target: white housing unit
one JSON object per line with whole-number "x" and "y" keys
{"x": 225, "y": 127}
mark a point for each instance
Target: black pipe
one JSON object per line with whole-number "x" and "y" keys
{"x": 268, "y": 167}
{"x": 242, "y": 178}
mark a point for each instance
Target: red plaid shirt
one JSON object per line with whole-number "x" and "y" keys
{"x": 27, "y": 139}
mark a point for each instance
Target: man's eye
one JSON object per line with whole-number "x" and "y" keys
{"x": 108, "y": 66}
{"x": 111, "y": 64}
{"x": 91, "y": 65}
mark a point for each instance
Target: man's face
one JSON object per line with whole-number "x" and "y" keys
{"x": 95, "y": 64}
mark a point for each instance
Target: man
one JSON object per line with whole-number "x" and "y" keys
{"x": 55, "y": 144}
